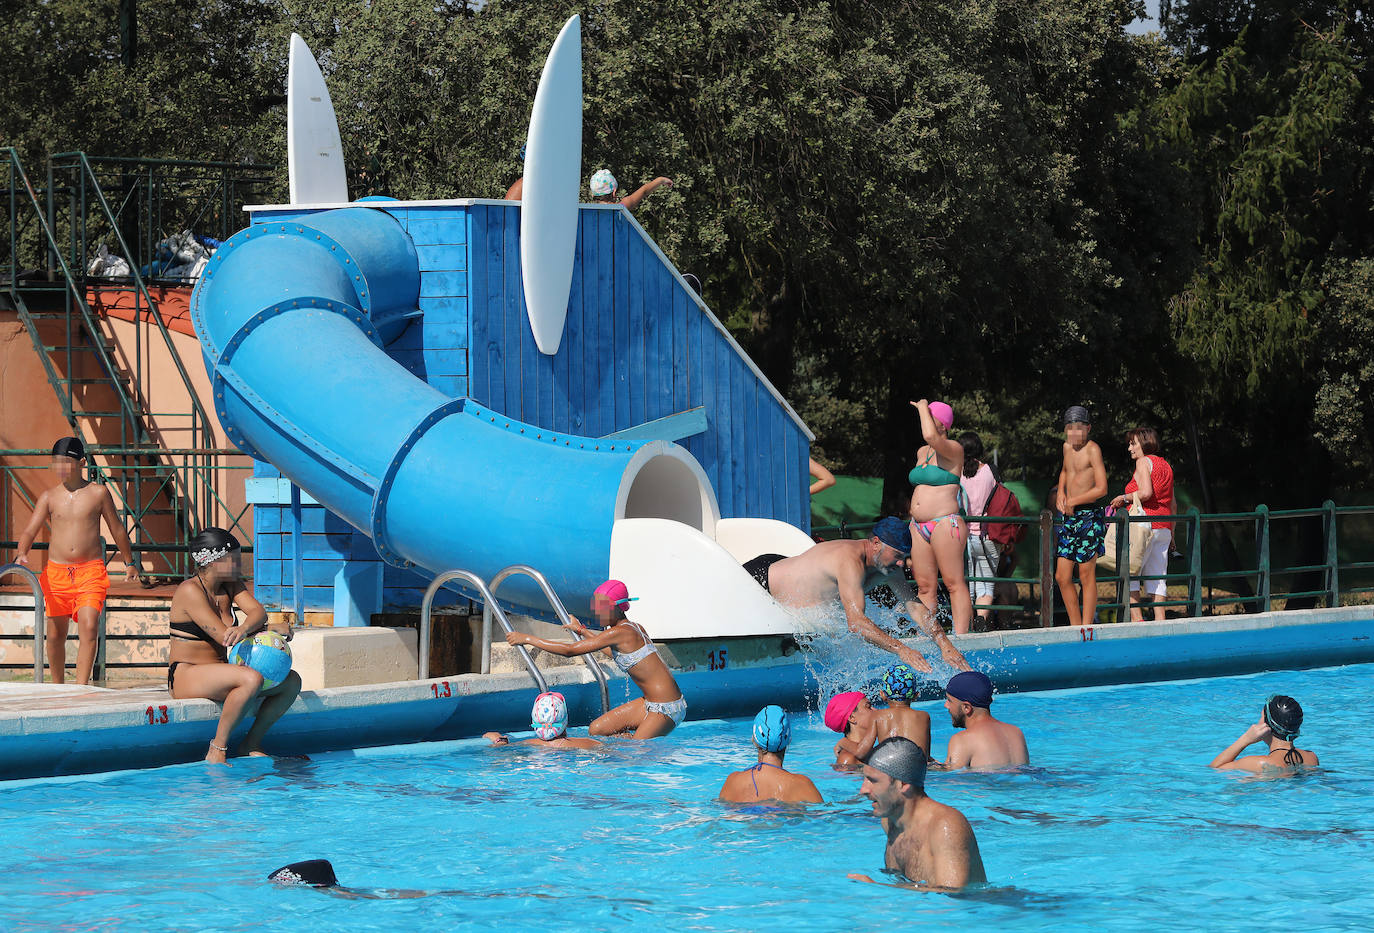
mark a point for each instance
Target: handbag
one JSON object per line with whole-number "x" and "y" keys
{"x": 1138, "y": 537}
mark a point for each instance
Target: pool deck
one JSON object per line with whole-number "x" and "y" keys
{"x": 54, "y": 730}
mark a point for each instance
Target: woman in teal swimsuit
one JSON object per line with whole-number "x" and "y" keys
{"x": 939, "y": 529}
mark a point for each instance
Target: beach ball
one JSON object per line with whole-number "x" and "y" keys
{"x": 267, "y": 653}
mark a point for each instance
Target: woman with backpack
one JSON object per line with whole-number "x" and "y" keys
{"x": 983, "y": 553}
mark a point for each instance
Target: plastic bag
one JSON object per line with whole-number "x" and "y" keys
{"x": 107, "y": 264}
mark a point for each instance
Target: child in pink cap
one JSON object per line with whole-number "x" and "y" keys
{"x": 939, "y": 515}
{"x": 662, "y": 707}
{"x": 850, "y": 714}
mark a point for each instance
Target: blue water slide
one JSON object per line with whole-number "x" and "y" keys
{"x": 293, "y": 318}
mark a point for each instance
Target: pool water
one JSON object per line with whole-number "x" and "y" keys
{"x": 1120, "y": 826}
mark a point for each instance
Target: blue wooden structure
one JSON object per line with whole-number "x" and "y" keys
{"x": 641, "y": 357}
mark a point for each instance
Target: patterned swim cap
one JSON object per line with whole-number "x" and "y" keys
{"x": 899, "y": 682}
{"x": 550, "y": 715}
{"x": 772, "y": 729}
{"x": 603, "y": 182}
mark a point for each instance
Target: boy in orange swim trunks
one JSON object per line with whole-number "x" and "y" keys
{"x": 74, "y": 580}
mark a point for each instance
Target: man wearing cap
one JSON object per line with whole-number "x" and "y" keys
{"x": 930, "y": 843}
{"x": 986, "y": 744}
{"x": 768, "y": 779}
{"x": 74, "y": 581}
{"x": 844, "y": 571}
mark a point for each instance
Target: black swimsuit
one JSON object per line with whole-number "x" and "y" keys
{"x": 187, "y": 630}
{"x": 759, "y": 566}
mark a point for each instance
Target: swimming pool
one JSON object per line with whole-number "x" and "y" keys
{"x": 1121, "y": 826}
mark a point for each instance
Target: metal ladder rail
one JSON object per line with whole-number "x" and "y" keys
{"x": 40, "y": 622}
{"x": 489, "y": 600}
{"x": 558, "y": 610}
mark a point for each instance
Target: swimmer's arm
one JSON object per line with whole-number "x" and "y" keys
{"x": 1061, "y": 495}
{"x": 809, "y": 792}
{"x": 631, "y": 201}
{"x": 1227, "y": 760}
{"x": 568, "y": 649}
{"x": 864, "y": 741}
{"x": 850, "y": 581}
{"x": 925, "y": 621}
{"x": 957, "y": 755}
{"x": 824, "y": 478}
{"x": 205, "y": 613}
{"x": 132, "y": 571}
{"x": 36, "y": 521}
{"x": 496, "y": 738}
{"x": 517, "y": 190}
{"x": 255, "y": 616}
{"x": 1099, "y": 475}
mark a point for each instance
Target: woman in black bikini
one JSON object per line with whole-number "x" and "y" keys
{"x": 204, "y": 627}
{"x": 1278, "y": 726}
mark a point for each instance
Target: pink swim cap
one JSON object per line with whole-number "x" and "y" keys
{"x": 840, "y": 708}
{"x": 943, "y": 414}
{"x": 617, "y": 592}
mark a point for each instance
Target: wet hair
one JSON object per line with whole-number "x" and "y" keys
{"x": 900, "y": 759}
{"x": 973, "y": 452}
{"x": 1148, "y": 437}
{"x": 1283, "y": 716}
{"x": 210, "y": 545}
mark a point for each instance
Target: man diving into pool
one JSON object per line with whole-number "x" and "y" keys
{"x": 930, "y": 843}
{"x": 843, "y": 571}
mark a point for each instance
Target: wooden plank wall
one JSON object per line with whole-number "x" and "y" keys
{"x": 636, "y": 347}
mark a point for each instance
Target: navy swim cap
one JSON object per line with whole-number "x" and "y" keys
{"x": 899, "y": 683}
{"x": 895, "y": 533}
{"x": 900, "y": 759}
{"x": 69, "y": 447}
{"x": 972, "y": 687}
{"x": 772, "y": 729}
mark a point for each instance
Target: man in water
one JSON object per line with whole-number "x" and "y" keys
{"x": 986, "y": 744}
{"x": 769, "y": 780}
{"x": 74, "y": 580}
{"x": 843, "y": 571}
{"x": 549, "y": 718}
{"x": 899, "y": 689}
{"x": 930, "y": 843}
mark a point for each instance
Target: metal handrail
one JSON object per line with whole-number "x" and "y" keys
{"x": 39, "y": 619}
{"x": 558, "y": 609}
{"x": 476, "y": 583}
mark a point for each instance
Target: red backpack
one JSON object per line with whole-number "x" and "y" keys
{"x": 1003, "y": 502}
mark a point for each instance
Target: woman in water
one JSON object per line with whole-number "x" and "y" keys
{"x": 939, "y": 530}
{"x": 662, "y": 706}
{"x": 1154, "y": 480}
{"x": 204, "y": 627}
{"x": 1278, "y": 726}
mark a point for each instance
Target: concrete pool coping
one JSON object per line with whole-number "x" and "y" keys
{"x": 63, "y": 729}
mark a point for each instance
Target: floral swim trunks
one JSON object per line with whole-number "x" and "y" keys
{"x": 1079, "y": 536}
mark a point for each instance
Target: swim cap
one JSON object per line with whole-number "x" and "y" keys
{"x": 210, "y": 545}
{"x": 316, "y": 872}
{"x": 617, "y": 592}
{"x": 840, "y": 708}
{"x": 69, "y": 447}
{"x": 1077, "y": 414}
{"x": 1283, "y": 715}
{"x": 899, "y": 682}
{"x": 550, "y": 716}
{"x": 772, "y": 730}
{"x": 603, "y": 182}
{"x": 900, "y": 759}
{"x": 522, "y": 153}
{"x": 972, "y": 687}
{"x": 895, "y": 533}
{"x": 943, "y": 414}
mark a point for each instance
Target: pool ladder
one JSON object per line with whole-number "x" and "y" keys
{"x": 492, "y": 610}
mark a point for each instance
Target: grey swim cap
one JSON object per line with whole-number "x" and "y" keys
{"x": 1077, "y": 414}
{"x": 900, "y": 759}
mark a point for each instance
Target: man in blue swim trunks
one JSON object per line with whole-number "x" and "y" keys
{"x": 1082, "y": 523}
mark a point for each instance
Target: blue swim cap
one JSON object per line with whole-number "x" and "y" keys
{"x": 899, "y": 683}
{"x": 895, "y": 533}
{"x": 772, "y": 730}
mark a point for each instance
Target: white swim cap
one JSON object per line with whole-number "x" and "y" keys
{"x": 603, "y": 183}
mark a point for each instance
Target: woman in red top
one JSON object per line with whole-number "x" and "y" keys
{"x": 1154, "y": 480}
